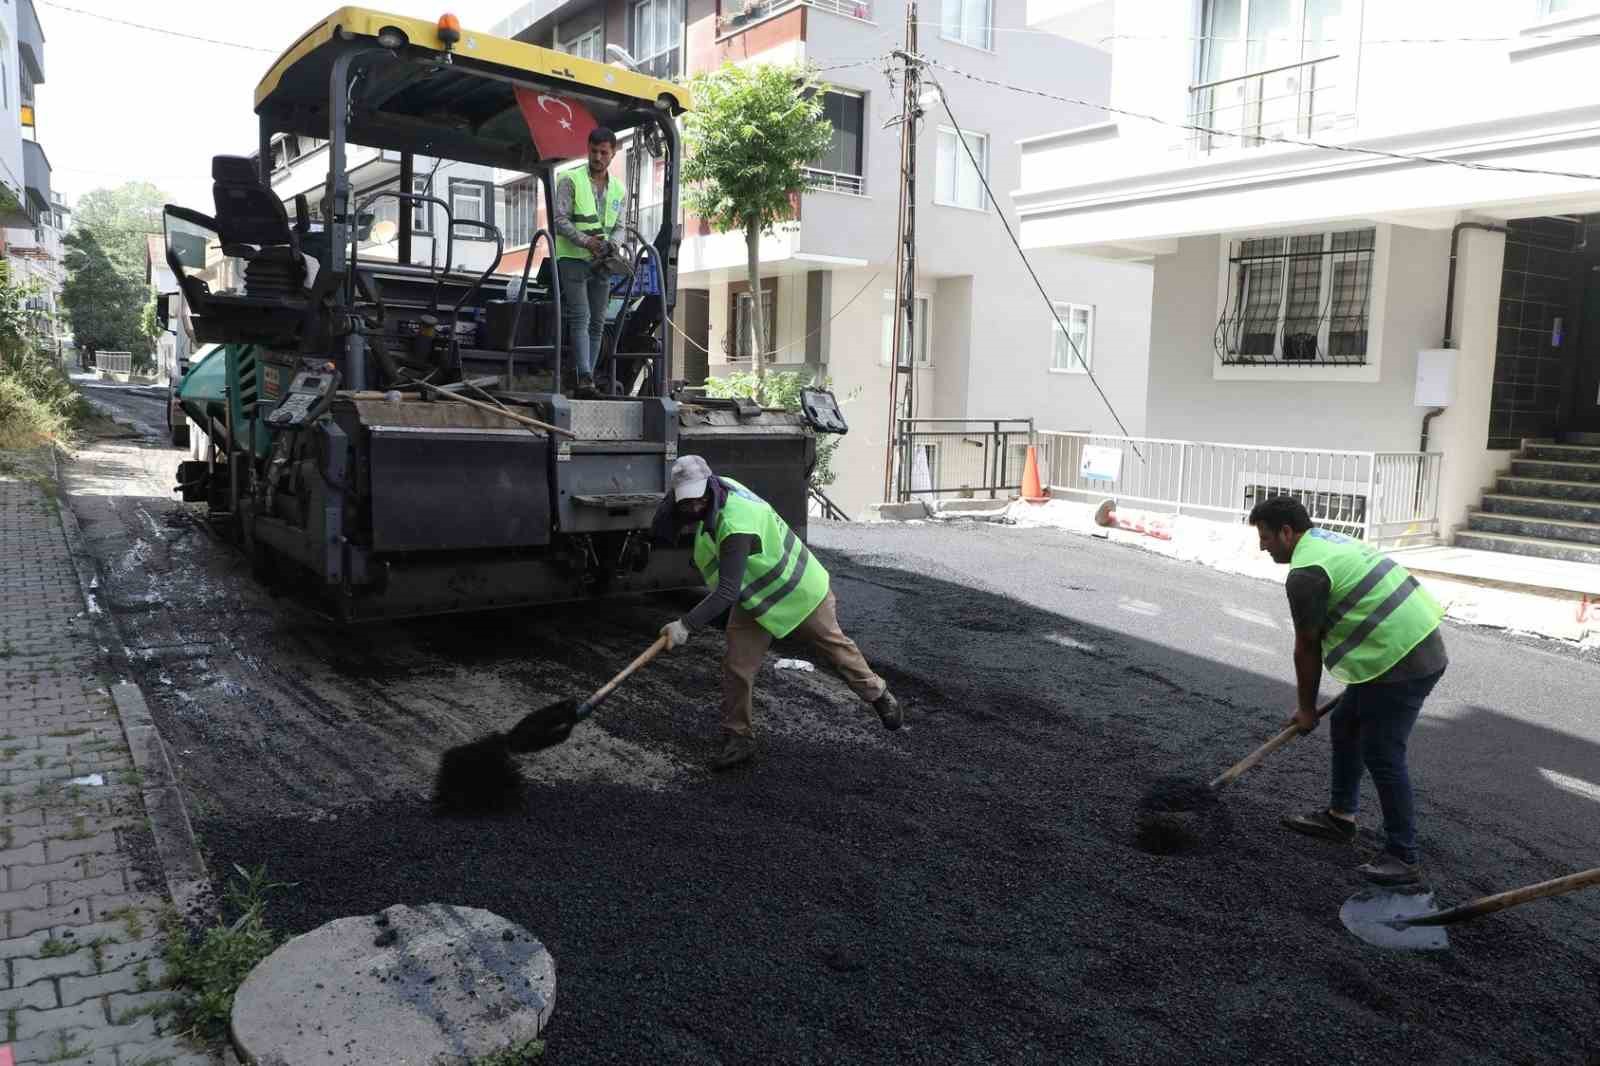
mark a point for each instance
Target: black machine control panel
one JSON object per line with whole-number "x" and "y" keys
{"x": 305, "y": 399}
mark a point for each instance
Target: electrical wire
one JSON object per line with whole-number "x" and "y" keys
{"x": 1001, "y": 215}
{"x": 156, "y": 29}
{"x": 1283, "y": 39}
{"x": 795, "y": 344}
{"x": 1407, "y": 157}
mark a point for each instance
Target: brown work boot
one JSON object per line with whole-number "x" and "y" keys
{"x": 1391, "y": 870}
{"x": 889, "y": 712}
{"x": 735, "y": 752}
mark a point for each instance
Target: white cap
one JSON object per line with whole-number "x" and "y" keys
{"x": 689, "y": 476}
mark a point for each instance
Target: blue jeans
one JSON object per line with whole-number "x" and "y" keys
{"x": 585, "y": 291}
{"x": 1369, "y": 728}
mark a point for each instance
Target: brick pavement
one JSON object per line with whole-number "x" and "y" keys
{"x": 80, "y": 964}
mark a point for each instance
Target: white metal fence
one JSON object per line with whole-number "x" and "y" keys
{"x": 1389, "y": 498}
{"x": 755, "y": 10}
{"x": 114, "y": 362}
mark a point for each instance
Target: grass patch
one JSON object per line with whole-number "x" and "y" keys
{"x": 80, "y": 829}
{"x": 515, "y": 1055}
{"x": 134, "y": 777}
{"x": 11, "y": 1025}
{"x": 65, "y": 1051}
{"x": 149, "y": 1010}
{"x": 6, "y": 838}
{"x": 97, "y": 951}
{"x": 207, "y": 966}
{"x": 68, "y": 734}
{"x": 7, "y": 649}
{"x": 55, "y": 949}
{"x": 131, "y": 920}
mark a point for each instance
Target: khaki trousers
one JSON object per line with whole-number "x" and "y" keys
{"x": 747, "y": 647}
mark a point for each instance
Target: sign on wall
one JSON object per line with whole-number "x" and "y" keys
{"x": 1100, "y": 464}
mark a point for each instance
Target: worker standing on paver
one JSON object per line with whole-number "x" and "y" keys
{"x": 1360, "y": 614}
{"x": 588, "y": 225}
{"x": 755, "y": 565}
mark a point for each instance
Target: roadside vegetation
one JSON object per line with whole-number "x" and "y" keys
{"x": 38, "y": 405}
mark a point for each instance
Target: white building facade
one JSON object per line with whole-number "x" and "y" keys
{"x": 1298, "y": 287}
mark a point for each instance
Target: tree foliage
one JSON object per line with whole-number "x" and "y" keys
{"x": 782, "y": 390}
{"x": 748, "y": 140}
{"x": 105, "y": 294}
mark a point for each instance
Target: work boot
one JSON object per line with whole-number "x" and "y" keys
{"x": 889, "y": 712}
{"x": 1391, "y": 870}
{"x": 586, "y": 389}
{"x": 737, "y": 751}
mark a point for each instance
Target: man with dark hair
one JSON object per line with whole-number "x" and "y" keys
{"x": 588, "y": 226}
{"x": 1377, "y": 630}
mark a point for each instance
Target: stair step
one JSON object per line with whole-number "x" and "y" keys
{"x": 1542, "y": 507}
{"x": 1534, "y": 546}
{"x": 1528, "y": 526}
{"x": 1592, "y": 439}
{"x": 1586, "y": 491}
{"x": 1556, "y": 471}
{"x": 1587, "y": 454}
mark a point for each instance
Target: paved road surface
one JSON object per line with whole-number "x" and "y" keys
{"x": 964, "y": 890}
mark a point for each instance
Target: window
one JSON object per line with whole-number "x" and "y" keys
{"x": 969, "y": 22}
{"x": 741, "y": 321}
{"x": 472, "y": 201}
{"x": 918, "y": 348}
{"x": 585, "y": 46}
{"x": 1556, "y": 7}
{"x": 956, "y": 181}
{"x": 1264, "y": 66}
{"x": 839, "y": 168}
{"x": 1072, "y": 352}
{"x": 421, "y": 213}
{"x": 1302, "y": 300}
{"x": 518, "y": 212}
{"x": 657, "y": 27}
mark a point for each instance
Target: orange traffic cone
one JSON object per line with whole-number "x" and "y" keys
{"x": 1031, "y": 489}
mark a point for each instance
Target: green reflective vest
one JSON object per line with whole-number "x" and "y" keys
{"x": 783, "y": 582}
{"x": 1377, "y": 612}
{"x": 584, "y": 214}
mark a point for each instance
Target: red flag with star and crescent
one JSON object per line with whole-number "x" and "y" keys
{"x": 559, "y": 125}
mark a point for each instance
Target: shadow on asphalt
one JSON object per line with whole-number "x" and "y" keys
{"x": 963, "y": 891}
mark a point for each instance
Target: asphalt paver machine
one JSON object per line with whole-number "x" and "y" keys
{"x": 398, "y": 435}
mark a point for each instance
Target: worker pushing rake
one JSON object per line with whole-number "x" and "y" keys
{"x": 758, "y": 570}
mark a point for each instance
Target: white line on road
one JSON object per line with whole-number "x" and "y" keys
{"x": 1575, "y": 785}
{"x": 1144, "y": 607}
{"x": 1245, "y": 645}
{"x": 1255, "y": 618}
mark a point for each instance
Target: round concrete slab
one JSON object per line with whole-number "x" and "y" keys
{"x": 413, "y": 985}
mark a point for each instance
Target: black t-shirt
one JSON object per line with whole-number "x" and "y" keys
{"x": 1308, "y": 590}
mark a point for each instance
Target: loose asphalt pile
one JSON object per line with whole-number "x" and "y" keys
{"x": 969, "y": 890}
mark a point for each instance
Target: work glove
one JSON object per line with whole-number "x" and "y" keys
{"x": 677, "y": 634}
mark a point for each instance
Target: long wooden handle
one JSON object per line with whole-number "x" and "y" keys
{"x": 532, "y": 423}
{"x": 1234, "y": 772}
{"x": 610, "y": 686}
{"x": 1477, "y": 908}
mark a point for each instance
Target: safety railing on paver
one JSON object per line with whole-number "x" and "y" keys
{"x": 1388, "y": 498}
{"x": 960, "y": 457}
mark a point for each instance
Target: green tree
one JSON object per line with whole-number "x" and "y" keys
{"x": 105, "y": 306}
{"x": 751, "y": 135}
{"x": 782, "y": 389}
{"x": 105, "y": 293}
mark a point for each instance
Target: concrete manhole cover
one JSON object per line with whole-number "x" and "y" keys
{"x": 426, "y": 985}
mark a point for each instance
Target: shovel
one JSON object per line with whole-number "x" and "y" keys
{"x": 482, "y": 776}
{"x": 1388, "y": 918}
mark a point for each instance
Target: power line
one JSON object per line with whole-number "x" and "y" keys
{"x": 1406, "y": 157}
{"x": 1287, "y": 39}
{"x": 792, "y": 344}
{"x": 156, "y": 29}
{"x": 1001, "y": 215}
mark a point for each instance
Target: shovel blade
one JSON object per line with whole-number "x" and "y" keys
{"x": 1380, "y": 916}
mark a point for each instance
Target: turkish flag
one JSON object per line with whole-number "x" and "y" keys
{"x": 559, "y": 125}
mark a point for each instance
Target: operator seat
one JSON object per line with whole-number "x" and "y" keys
{"x": 253, "y": 225}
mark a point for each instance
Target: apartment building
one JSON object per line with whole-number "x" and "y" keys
{"x": 1370, "y": 228}
{"x": 987, "y": 345}
{"x": 33, "y": 218}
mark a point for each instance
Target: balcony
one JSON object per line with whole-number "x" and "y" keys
{"x": 30, "y": 40}
{"x": 819, "y": 180}
{"x": 1297, "y": 100}
{"x": 760, "y": 10}
{"x": 36, "y": 179}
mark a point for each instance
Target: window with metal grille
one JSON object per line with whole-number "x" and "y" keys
{"x": 518, "y": 206}
{"x": 1301, "y": 300}
{"x": 1342, "y": 512}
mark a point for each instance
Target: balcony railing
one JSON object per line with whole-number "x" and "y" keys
{"x": 1296, "y": 100}
{"x": 834, "y": 181}
{"x": 757, "y": 10}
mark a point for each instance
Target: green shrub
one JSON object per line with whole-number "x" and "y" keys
{"x": 781, "y": 389}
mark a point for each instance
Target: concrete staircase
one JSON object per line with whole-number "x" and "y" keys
{"x": 1547, "y": 506}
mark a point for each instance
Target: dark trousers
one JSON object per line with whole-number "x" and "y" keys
{"x": 1369, "y": 730}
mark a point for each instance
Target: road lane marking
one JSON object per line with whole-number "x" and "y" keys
{"x": 1575, "y": 785}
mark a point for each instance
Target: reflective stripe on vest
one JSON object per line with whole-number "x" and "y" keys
{"x": 783, "y": 581}
{"x": 1377, "y": 611}
{"x": 585, "y": 215}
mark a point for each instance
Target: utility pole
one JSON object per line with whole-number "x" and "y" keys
{"x": 905, "y": 267}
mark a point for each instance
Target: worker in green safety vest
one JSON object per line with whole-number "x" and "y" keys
{"x": 757, "y": 568}
{"x": 1361, "y": 615}
{"x": 588, "y": 227}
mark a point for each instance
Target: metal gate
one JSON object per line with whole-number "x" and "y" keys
{"x": 961, "y": 457}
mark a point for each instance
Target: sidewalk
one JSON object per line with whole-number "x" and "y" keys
{"x": 81, "y": 886}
